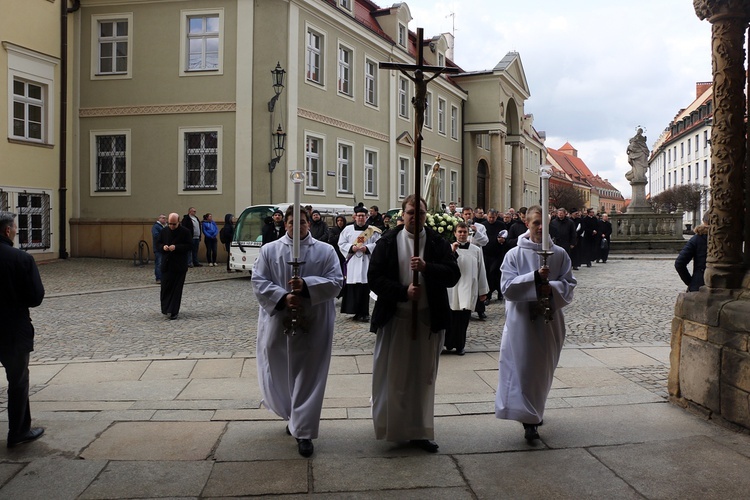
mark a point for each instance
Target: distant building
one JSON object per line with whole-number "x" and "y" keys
{"x": 682, "y": 153}
{"x": 570, "y": 170}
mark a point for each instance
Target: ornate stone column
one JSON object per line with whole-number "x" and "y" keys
{"x": 516, "y": 172}
{"x": 497, "y": 169}
{"x": 729, "y": 19}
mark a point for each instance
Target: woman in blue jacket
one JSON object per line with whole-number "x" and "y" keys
{"x": 210, "y": 232}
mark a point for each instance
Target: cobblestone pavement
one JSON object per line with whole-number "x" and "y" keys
{"x": 104, "y": 309}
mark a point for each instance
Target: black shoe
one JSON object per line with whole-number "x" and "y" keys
{"x": 34, "y": 433}
{"x": 198, "y": 264}
{"x": 173, "y": 316}
{"x": 357, "y": 317}
{"x": 425, "y": 444}
{"x": 588, "y": 265}
{"x": 305, "y": 447}
{"x": 287, "y": 431}
{"x": 487, "y": 302}
{"x": 461, "y": 352}
{"x": 482, "y": 316}
{"x": 530, "y": 432}
{"x": 576, "y": 268}
{"x": 365, "y": 318}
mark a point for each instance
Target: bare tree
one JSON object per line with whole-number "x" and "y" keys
{"x": 565, "y": 196}
{"x": 687, "y": 195}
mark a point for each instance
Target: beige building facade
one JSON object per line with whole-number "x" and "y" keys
{"x": 173, "y": 105}
{"x": 36, "y": 176}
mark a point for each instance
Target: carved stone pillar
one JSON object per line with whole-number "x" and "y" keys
{"x": 516, "y": 172}
{"x": 728, "y": 20}
{"x": 497, "y": 169}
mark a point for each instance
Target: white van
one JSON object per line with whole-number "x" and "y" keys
{"x": 248, "y": 236}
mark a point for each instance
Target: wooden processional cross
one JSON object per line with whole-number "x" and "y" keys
{"x": 419, "y": 102}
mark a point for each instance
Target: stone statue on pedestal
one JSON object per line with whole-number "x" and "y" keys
{"x": 637, "y": 157}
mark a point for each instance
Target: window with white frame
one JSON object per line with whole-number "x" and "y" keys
{"x": 201, "y": 160}
{"x": 403, "y": 177}
{"x": 113, "y": 44}
{"x": 4, "y": 207}
{"x": 313, "y": 163}
{"x": 705, "y": 168}
{"x": 441, "y": 59}
{"x": 371, "y": 172}
{"x": 203, "y": 40}
{"x": 696, "y": 142}
{"x": 31, "y": 97}
{"x": 345, "y": 168}
{"x": 345, "y": 70}
{"x": 705, "y": 139}
{"x": 402, "y": 37}
{"x": 371, "y": 82}
{"x": 479, "y": 140}
{"x": 441, "y": 116}
{"x": 697, "y": 170}
{"x": 454, "y": 185}
{"x": 428, "y": 110}
{"x": 403, "y": 97}
{"x": 346, "y": 4}
{"x": 28, "y": 110}
{"x": 33, "y": 220}
{"x": 111, "y": 162}
{"x": 314, "y": 61}
{"x": 454, "y": 123}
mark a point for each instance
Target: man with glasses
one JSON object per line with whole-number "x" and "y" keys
{"x": 176, "y": 243}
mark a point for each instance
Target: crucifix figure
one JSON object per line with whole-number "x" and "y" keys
{"x": 419, "y": 103}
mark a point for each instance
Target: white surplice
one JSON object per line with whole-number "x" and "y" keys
{"x": 405, "y": 368}
{"x": 473, "y": 282}
{"x": 530, "y": 350}
{"x": 292, "y": 370}
{"x": 357, "y": 263}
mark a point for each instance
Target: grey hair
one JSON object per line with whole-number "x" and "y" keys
{"x": 6, "y": 220}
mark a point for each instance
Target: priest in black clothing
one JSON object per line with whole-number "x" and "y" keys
{"x": 176, "y": 242}
{"x": 494, "y": 251}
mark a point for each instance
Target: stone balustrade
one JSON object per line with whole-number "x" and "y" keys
{"x": 636, "y": 232}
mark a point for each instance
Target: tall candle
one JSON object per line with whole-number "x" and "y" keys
{"x": 297, "y": 178}
{"x": 545, "y": 172}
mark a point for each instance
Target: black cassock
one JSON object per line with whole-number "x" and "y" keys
{"x": 174, "y": 267}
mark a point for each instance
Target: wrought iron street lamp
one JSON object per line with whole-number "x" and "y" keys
{"x": 279, "y": 141}
{"x": 278, "y": 85}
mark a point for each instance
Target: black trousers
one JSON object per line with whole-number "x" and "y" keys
{"x": 171, "y": 290}
{"x": 356, "y": 299}
{"x": 16, "y": 364}
{"x": 455, "y": 334}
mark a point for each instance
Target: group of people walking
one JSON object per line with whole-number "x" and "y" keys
{"x": 293, "y": 364}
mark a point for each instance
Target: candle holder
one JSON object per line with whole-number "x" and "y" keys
{"x": 542, "y": 307}
{"x": 295, "y": 321}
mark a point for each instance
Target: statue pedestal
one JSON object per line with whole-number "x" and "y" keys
{"x": 638, "y": 203}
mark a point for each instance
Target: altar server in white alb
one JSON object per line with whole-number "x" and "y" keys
{"x": 530, "y": 347}
{"x": 293, "y": 369}
{"x": 356, "y": 243}
{"x": 471, "y": 287}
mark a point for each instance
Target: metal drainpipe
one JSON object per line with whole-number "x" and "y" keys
{"x": 63, "y": 189}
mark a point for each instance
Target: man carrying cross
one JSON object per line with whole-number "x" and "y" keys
{"x": 410, "y": 271}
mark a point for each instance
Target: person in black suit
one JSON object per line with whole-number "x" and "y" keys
{"x": 176, "y": 242}
{"x": 20, "y": 288}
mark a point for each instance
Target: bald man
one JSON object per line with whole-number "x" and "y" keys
{"x": 176, "y": 242}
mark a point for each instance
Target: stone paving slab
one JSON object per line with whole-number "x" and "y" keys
{"x": 621, "y": 356}
{"x": 564, "y": 474}
{"x": 100, "y": 372}
{"x": 56, "y": 478}
{"x": 125, "y": 479}
{"x": 232, "y": 479}
{"x": 220, "y": 389}
{"x": 680, "y": 468}
{"x": 166, "y": 369}
{"x": 623, "y": 424}
{"x": 217, "y": 368}
{"x": 112, "y": 391}
{"x": 156, "y": 441}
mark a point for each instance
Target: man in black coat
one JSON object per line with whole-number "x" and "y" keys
{"x": 563, "y": 231}
{"x": 591, "y": 238}
{"x": 274, "y": 228}
{"x": 407, "y": 353}
{"x": 494, "y": 251}
{"x": 318, "y": 227}
{"x": 20, "y": 288}
{"x": 605, "y": 232}
{"x": 576, "y": 256}
{"x": 176, "y": 243}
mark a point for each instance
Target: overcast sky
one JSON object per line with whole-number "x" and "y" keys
{"x": 596, "y": 69}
